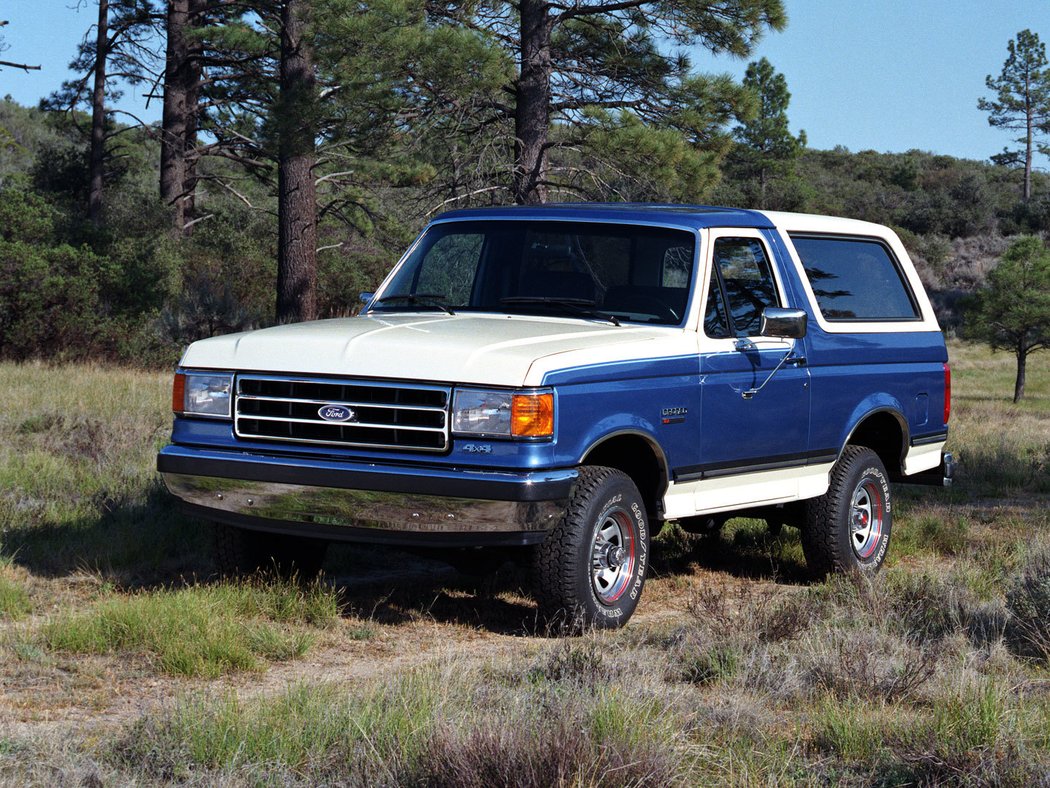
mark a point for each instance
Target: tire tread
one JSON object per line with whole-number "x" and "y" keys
{"x": 822, "y": 541}
{"x": 554, "y": 562}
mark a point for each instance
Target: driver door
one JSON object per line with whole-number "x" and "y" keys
{"x": 743, "y": 430}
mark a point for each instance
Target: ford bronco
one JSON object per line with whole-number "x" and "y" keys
{"x": 564, "y": 379}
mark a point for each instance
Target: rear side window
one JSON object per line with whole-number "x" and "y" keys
{"x": 855, "y": 279}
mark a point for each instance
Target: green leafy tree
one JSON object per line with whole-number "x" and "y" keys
{"x": 1013, "y": 311}
{"x": 584, "y": 74}
{"x": 766, "y": 149}
{"x": 1021, "y": 102}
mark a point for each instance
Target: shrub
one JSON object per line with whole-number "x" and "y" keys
{"x": 1028, "y": 601}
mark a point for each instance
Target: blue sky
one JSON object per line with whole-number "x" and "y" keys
{"x": 887, "y": 75}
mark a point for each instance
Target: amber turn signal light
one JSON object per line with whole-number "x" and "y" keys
{"x": 532, "y": 415}
{"x": 178, "y": 394}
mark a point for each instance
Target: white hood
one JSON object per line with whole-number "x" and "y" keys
{"x": 486, "y": 349}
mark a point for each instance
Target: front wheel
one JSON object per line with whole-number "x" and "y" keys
{"x": 590, "y": 570}
{"x": 848, "y": 528}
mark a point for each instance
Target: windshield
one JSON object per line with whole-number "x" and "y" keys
{"x": 614, "y": 272}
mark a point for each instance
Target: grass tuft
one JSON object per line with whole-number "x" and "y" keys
{"x": 425, "y": 727}
{"x": 202, "y": 630}
{"x": 14, "y": 599}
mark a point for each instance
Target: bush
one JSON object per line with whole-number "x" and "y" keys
{"x": 1028, "y": 601}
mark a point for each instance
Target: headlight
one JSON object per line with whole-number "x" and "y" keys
{"x": 202, "y": 394}
{"x": 503, "y": 414}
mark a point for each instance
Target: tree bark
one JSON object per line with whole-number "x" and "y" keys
{"x": 1022, "y": 362}
{"x": 97, "y": 156}
{"x": 296, "y": 156}
{"x": 1029, "y": 123}
{"x": 175, "y": 113}
{"x": 532, "y": 107}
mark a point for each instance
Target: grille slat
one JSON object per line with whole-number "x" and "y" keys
{"x": 386, "y": 415}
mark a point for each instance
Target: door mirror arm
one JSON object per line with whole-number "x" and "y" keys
{"x": 789, "y": 356}
{"x": 777, "y": 322}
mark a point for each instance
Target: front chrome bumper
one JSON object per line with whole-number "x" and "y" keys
{"x": 366, "y": 502}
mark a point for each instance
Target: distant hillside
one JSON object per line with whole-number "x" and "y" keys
{"x": 133, "y": 292}
{"x": 956, "y": 216}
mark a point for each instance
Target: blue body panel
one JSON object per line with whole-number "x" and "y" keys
{"x": 598, "y": 401}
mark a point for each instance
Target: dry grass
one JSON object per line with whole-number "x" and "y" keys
{"x": 737, "y": 670}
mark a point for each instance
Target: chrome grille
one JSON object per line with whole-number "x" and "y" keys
{"x": 384, "y": 415}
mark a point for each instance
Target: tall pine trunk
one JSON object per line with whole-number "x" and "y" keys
{"x": 97, "y": 156}
{"x": 182, "y": 83}
{"x": 1029, "y": 131}
{"x": 175, "y": 117}
{"x": 532, "y": 108}
{"x": 296, "y": 156}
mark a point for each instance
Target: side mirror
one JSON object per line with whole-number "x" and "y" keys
{"x": 365, "y": 297}
{"x": 786, "y": 323}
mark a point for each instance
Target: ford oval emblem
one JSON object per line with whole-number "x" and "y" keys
{"x": 335, "y": 413}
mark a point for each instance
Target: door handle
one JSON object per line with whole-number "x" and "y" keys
{"x": 796, "y": 361}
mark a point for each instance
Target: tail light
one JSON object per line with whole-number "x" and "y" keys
{"x": 947, "y": 392}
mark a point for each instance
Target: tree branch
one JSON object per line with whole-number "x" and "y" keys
{"x": 22, "y": 66}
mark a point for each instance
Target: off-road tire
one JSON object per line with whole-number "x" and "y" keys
{"x": 833, "y": 536}
{"x": 240, "y": 552}
{"x": 571, "y": 565}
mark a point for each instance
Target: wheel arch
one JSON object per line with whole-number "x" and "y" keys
{"x": 640, "y": 457}
{"x": 885, "y": 431}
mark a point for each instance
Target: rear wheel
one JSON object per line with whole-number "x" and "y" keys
{"x": 239, "y": 551}
{"x": 590, "y": 570}
{"x": 848, "y": 528}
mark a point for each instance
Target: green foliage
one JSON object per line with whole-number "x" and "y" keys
{"x": 621, "y": 110}
{"x": 1013, "y": 312}
{"x": 1022, "y": 100}
{"x": 766, "y": 149}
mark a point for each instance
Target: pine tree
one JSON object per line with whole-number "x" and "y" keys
{"x": 307, "y": 96}
{"x": 587, "y": 74}
{"x": 766, "y": 149}
{"x": 117, "y": 49}
{"x": 1022, "y": 101}
{"x": 1013, "y": 311}
{"x": 181, "y": 115}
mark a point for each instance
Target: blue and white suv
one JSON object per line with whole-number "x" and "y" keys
{"x": 567, "y": 378}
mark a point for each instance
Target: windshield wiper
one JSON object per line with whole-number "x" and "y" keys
{"x": 577, "y": 306}
{"x": 421, "y": 299}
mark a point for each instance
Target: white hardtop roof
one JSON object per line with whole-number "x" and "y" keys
{"x": 813, "y": 223}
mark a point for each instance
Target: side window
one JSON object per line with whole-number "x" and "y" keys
{"x": 449, "y": 267}
{"x": 716, "y": 325}
{"x": 855, "y": 279}
{"x": 746, "y": 274}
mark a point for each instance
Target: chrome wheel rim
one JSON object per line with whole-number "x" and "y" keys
{"x": 612, "y": 555}
{"x": 866, "y": 519}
